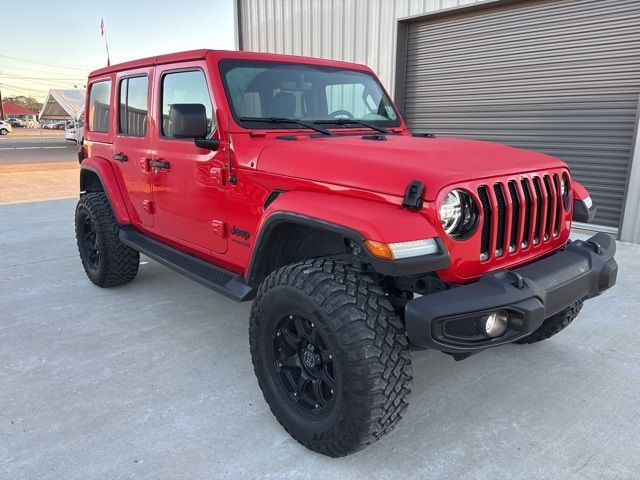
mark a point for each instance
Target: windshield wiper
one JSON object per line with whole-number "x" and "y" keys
{"x": 351, "y": 121}
{"x": 285, "y": 120}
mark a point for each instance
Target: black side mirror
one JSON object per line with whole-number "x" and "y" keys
{"x": 188, "y": 120}
{"x": 208, "y": 143}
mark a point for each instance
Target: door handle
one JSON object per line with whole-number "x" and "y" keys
{"x": 120, "y": 157}
{"x": 161, "y": 164}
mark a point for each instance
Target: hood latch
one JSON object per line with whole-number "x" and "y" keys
{"x": 413, "y": 195}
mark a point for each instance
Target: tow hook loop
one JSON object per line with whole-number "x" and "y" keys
{"x": 519, "y": 280}
{"x": 595, "y": 246}
{"x": 413, "y": 195}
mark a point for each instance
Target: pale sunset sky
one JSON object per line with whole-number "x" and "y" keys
{"x": 49, "y": 44}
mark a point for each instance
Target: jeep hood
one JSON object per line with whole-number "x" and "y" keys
{"x": 387, "y": 166}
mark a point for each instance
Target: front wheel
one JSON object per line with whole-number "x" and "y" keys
{"x": 330, "y": 355}
{"x": 4, "y": 131}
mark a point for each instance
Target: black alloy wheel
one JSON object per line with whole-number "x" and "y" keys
{"x": 303, "y": 364}
{"x": 89, "y": 243}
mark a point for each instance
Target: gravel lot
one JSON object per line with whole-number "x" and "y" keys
{"x": 154, "y": 381}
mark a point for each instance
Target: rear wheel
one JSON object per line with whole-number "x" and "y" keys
{"x": 3, "y": 131}
{"x": 554, "y": 324}
{"x": 330, "y": 355}
{"x": 106, "y": 260}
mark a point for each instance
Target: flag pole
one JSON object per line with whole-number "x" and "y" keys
{"x": 103, "y": 32}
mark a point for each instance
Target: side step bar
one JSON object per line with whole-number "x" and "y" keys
{"x": 215, "y": 278}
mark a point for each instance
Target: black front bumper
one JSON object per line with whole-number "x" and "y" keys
{"x": 449, "y": 320}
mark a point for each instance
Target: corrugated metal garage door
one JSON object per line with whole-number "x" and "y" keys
{"x": 562, "y": 77}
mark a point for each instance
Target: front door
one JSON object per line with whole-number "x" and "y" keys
{"x": 132, "y": 144}
{"x": 188, "y": 181}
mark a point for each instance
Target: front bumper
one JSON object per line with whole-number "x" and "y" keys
{"x": 449, "y": 320}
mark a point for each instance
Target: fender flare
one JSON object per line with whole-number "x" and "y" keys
{"x": 355, "y": 219}
{"x": 103, "y": 169}
{"x": 579, "y": 192}
{"x": 583, "y": 208}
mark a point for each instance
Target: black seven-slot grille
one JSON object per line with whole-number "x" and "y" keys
{"x": 519, "y": 213}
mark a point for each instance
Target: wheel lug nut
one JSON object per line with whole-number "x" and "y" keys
{"x": 332, "y": 391}
{"x": 317, "y": 406}
{"x": 312, "y": 325}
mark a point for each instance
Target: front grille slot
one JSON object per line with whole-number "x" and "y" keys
{"x": 537, "y": 234}
{"x": 551, "y": 209}
{"x": 528, "y": 208}
{"x": 515, "y": 224}
{"x": 519, "y": 214}
{"x": 502, "y": 212}
{"x": 486, "y": 225}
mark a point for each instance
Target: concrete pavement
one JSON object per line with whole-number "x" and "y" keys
{"x": 32, "y": 149}
{"x": 154, "y": 381}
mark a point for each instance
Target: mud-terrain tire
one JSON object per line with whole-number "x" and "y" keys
{"x": 320, "y": 321}
{"x": 554, "y": 324}
{"x": 106, "y": 260}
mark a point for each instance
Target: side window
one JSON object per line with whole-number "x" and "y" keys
{"x": 99, "y": 98}
{"x": 185, "y": 87}
{"x": 133, "y": 106}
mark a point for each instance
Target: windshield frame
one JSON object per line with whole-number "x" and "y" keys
{"x": 226, "y": 64}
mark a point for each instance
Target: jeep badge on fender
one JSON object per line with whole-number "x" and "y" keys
{"x": 367, "y": 239}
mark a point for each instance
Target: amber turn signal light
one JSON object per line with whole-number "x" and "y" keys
{"x": 379, "y": 249}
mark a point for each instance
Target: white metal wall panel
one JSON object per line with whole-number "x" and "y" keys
{"x": 361, "y": 31}
{"x": 559, "y": 76}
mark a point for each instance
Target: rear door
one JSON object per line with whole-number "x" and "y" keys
{"x": 132, "y": 144}
{"x": 189, "y": 188}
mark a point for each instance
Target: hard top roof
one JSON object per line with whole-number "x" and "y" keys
{"x": 201, "y": 54}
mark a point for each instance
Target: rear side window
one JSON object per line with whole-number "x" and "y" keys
{"x": 99, "y": 99}
{"x": 133, "y": 106}
{"x": 185, "y": 87}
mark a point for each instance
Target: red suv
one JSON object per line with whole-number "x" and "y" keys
{"x": 295, "y": 183}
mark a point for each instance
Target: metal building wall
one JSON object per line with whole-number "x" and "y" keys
{"x": 561, "y": 77}
{"x": 366, "y": 31}
{"x": 361, "y": 31}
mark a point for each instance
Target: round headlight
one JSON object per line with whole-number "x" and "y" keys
{"x": 458, "y": 214}
{"x": 451, "y": 211}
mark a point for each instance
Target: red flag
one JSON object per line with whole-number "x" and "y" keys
{"x": 102, "y": 27}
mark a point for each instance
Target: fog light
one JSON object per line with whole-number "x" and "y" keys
{"x": 495, "y": 324}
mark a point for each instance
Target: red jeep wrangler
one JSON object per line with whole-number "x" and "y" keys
{"x": 295, "y": 183}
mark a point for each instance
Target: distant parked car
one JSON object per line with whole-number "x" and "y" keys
{"x": 16, "y": 122}
{"x": 74, "y": 132}
{"x": 5, "y": 127}
{"x": 54, "y": 126}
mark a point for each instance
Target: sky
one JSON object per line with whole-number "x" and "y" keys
{"x": 50, "y": 44}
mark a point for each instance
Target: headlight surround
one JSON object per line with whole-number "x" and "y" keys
{"x": 458, "y": 214}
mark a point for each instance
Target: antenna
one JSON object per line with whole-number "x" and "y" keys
{"x": 232, "y": 177}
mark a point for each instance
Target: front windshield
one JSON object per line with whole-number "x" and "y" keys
{"x": 263, "y": 90}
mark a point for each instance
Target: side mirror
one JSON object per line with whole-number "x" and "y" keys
{"x": 188, "y": 120}
{"x": 208, "y": 143}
